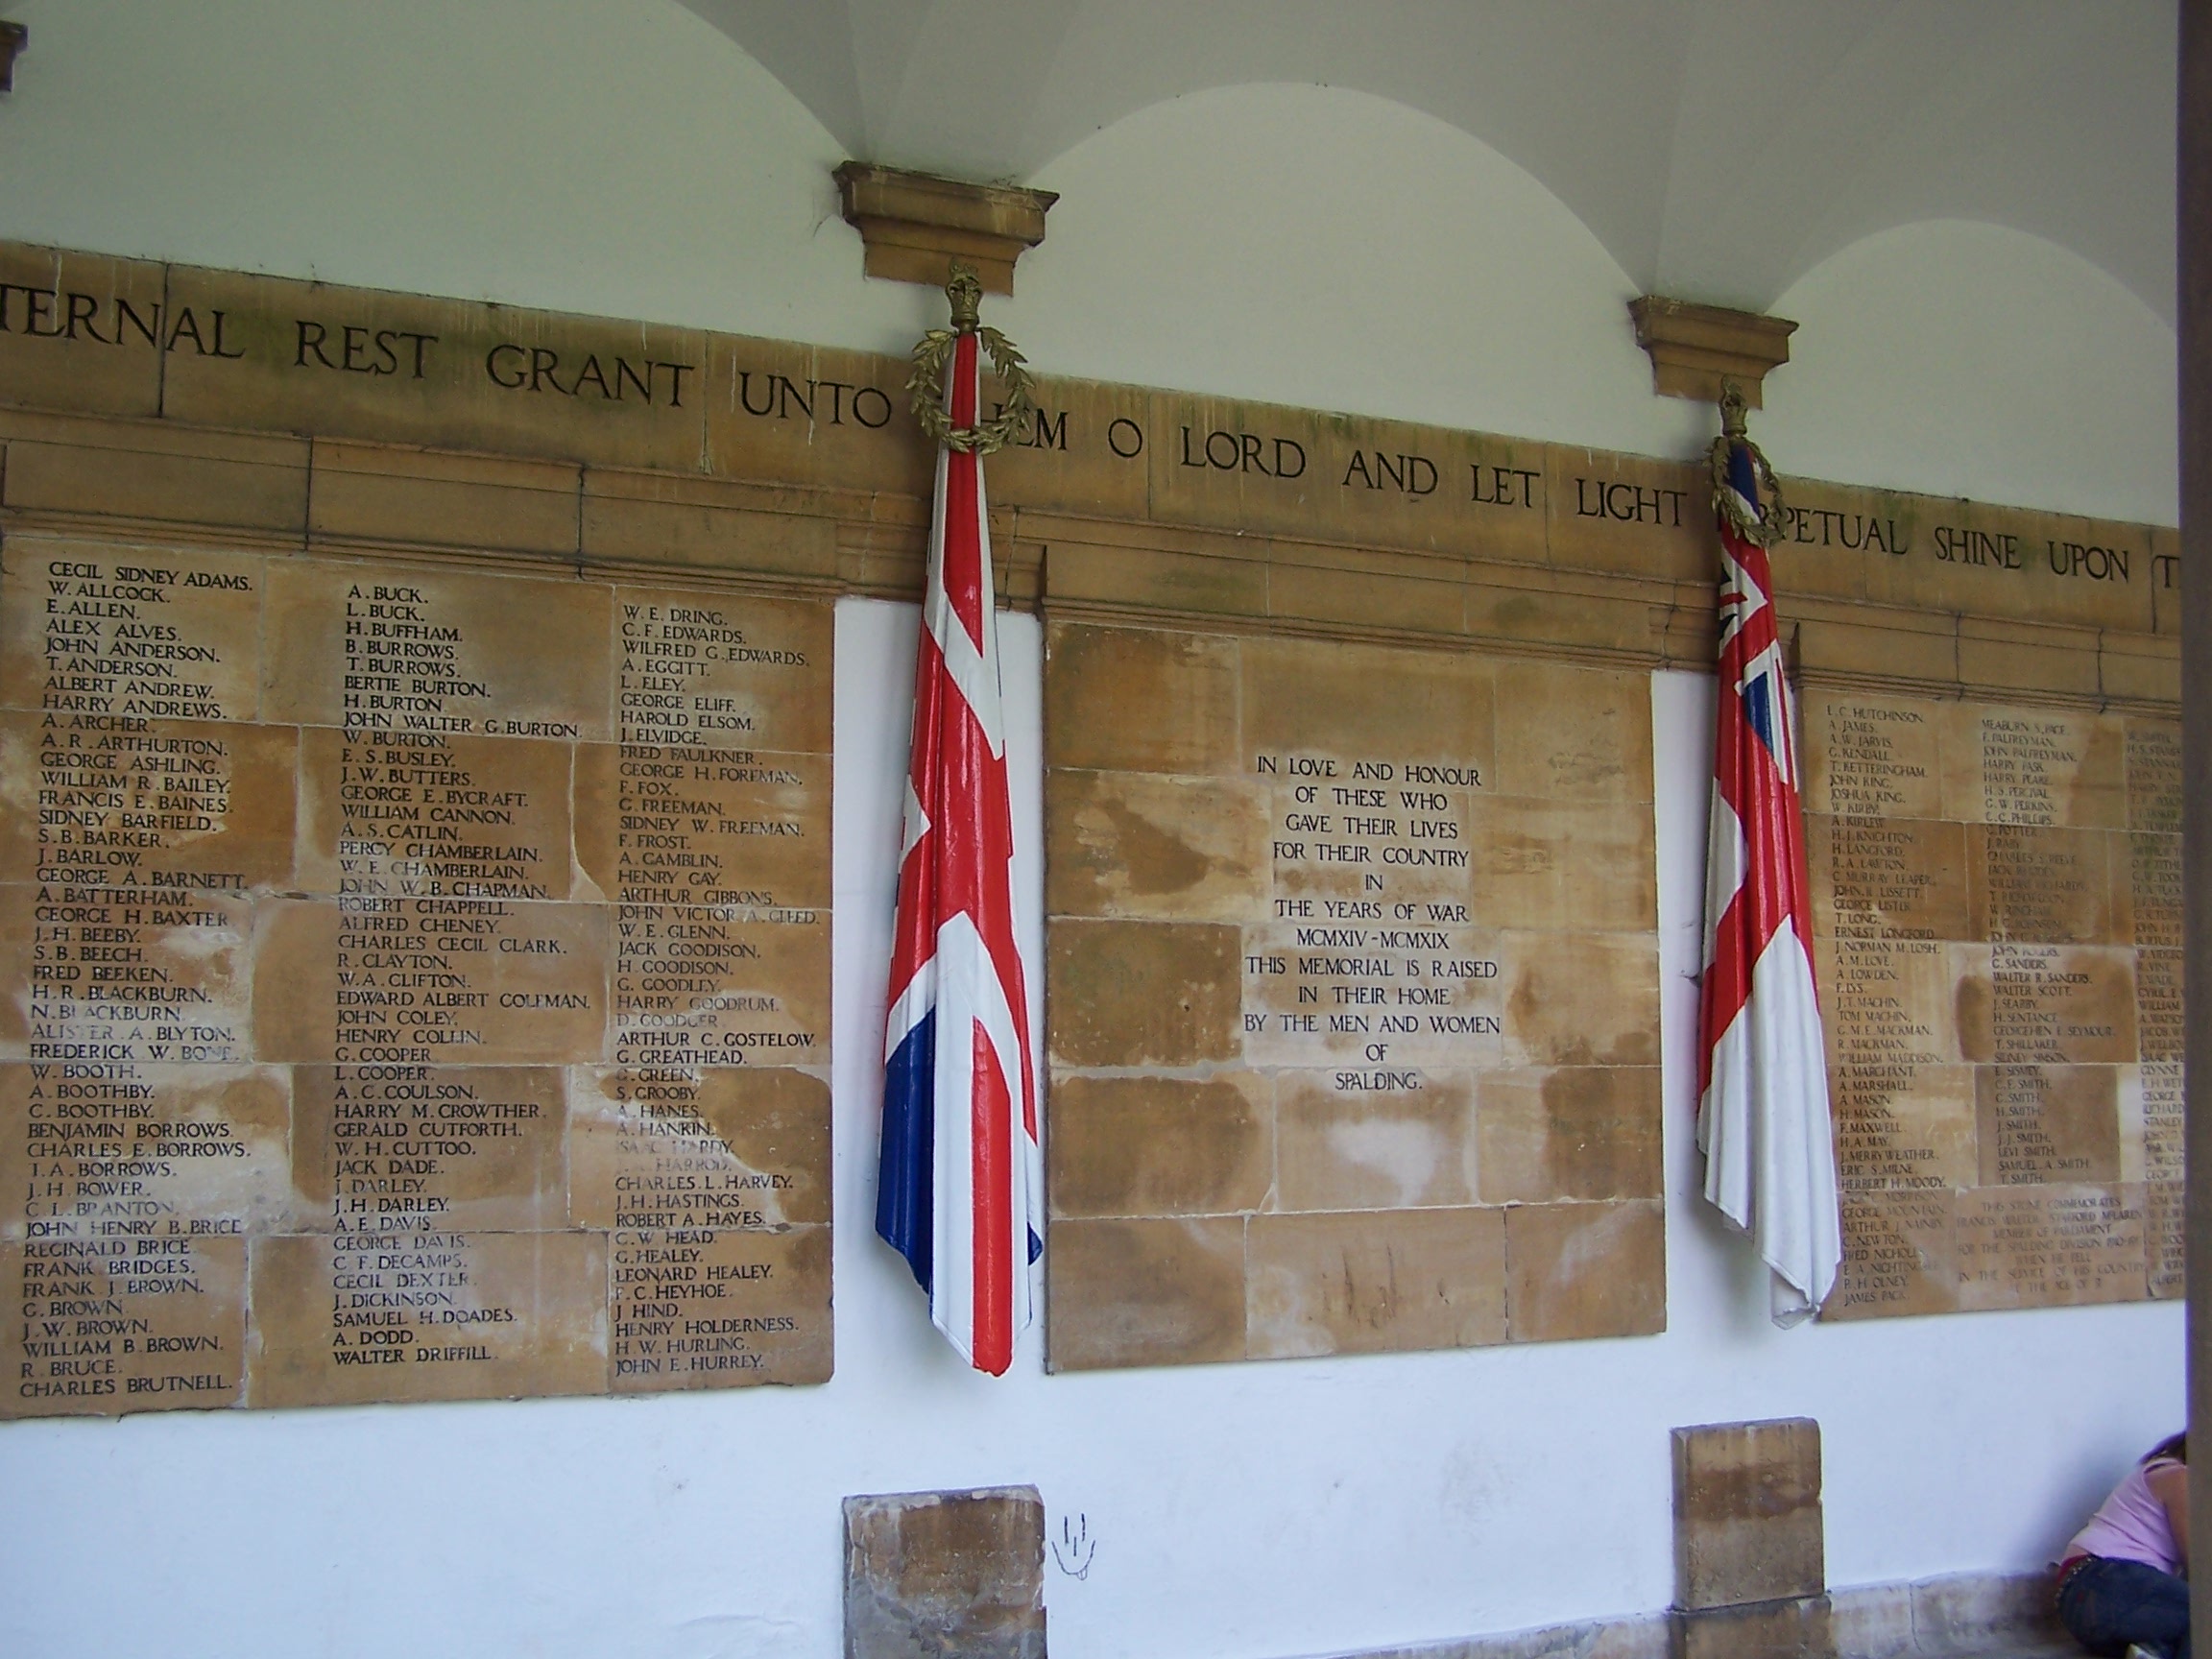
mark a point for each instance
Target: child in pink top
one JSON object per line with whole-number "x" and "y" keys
{"x": 2120, "y": 1583}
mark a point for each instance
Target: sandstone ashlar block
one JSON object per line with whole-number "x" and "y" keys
{"x": 1747, "y": 1517}
{"x": 2047, "y": 886}
{"x": 705, "y": 1148}
{"x": 207, "y": 1143}
{"x": 1871, "y": 757}
{"x": 221, "y": 794}
{"x": 699, "y": 524}
{"x": 2043, "y": 1123}
{"x": 415, "y": 652}
{"x": 83, "y": 332}
{"x": 1567, "y": 733}
{"x": 1895, "y": 1001}
{"x": 506, "y": 1315}
{"x": 485, "y": 1142}
{"x": 2059, "y": 1005}
{"x": 2154, "y": 777}
{"x": 450, "y": 374}
{"x": 1147, "y": 579}
{"x": 1144, "y": 1292}
{"x": 1580, "y": 998}
{"x": 2050, "y": 1246}
{"x": 1797, "y": 1627}
{"x": 2033, "y": 767}
{"x": 772, "y": 1327}
{"x": 229, "y": 481}
{"x": 1122, "y": 699}
{"x": 1904, "y": 1125}
{"x": 1133, "y": 844}
{"x": 127, "y": 973}
{"x": 1071, "y": 459}
{"x": 928, "y": 1574}
{"x": 1352, "y": 707}
{"x": 2158, "y": 1004}
{"x": 1142, "y": 993}
{"x": 185, "y": 1306}
{"x": 1900, "y": 1256}
{"x": 790, "y": 414}
{"x": 95, "y": 629}
{"x": 1888, "y": 878}
{"x": 1374, "y": 1150}
{"x": 1375, "y": 1282}
{"x": 1578, "y": 1271}
{"x": 375, "y": 493}
{"x": 1563, "y": 865}
{"x": 1630, "y": 514}
{"x": 1568, "y": 1131}
{"x": 739, "y": 834}
{"x": 714, "y": 669}
{"x": 1159, "y": 1145}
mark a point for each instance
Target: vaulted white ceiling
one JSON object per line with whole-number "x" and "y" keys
{"x": 1719, "y": 149}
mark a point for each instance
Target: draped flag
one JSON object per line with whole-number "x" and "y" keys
{"x": 960, "y": 1171}
{"x": 1762, "y": 1112}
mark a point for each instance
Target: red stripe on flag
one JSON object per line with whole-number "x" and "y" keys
{"x": 992, "y": 1156}
{"x": 963, "y": 547}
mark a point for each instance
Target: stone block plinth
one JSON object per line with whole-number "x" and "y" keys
{"x": 931, "y": 1573}
{"x": 1747, "y": 1523}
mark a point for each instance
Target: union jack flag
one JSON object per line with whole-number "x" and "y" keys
{"x": 960, "y": 1171}
{"x": 1762, "y": 1112}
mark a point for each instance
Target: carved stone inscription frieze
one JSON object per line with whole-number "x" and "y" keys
{"x": 1353, "y": 999}
{"x": 1997, "y": 897}
{"x": 418, "y": 982}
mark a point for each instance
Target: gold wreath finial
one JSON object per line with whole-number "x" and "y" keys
{"x": 933, "y": 354}
{"x": 965, "y": 291}
{"x": 1764, "y": 523}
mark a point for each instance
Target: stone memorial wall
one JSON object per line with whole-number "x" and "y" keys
{"x": 1355, "y": 1003}
{"x": 1998, "y": 901}
{"x": 422, "y": 982}
{"x": 440, "y": 690}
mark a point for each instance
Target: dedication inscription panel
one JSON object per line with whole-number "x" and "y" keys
{"x": 1353, "y": 999}
{"x": 418, "y": 982}
{"x": 1998, "y": 903}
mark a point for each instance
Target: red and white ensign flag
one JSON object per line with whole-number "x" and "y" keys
{"x": 960, "y": 1173}
{"x": 1762, "y": 1112}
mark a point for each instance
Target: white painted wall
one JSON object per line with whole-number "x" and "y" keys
{"x": 620, "y": 157}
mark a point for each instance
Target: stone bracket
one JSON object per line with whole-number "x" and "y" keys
{"x": 14, "y": 39}
{"x": 913, "y": 226}
{"x": 1695, "y": 348}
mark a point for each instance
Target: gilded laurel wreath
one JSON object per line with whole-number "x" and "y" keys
{"x": 1764, "y": 523}
{"x": 932, "y": 352}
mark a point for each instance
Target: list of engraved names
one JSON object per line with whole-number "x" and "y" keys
{"x": 419, "y": 982}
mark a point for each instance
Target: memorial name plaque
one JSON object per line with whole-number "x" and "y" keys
{"x": 1997, "y": 898}
{"x": 1353, "y": 999}
{"x": 418, "y": 982}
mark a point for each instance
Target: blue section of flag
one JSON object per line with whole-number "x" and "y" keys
{"x": 1739, "y": 475}
{"x": 906, "y": 1210}
{"x": 1759, "y": 709}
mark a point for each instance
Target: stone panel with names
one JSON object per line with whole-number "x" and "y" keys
{"x": 1997, "y": 897}
{"x": 1353, "y": 999}
{"x": 417, "y": 981}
